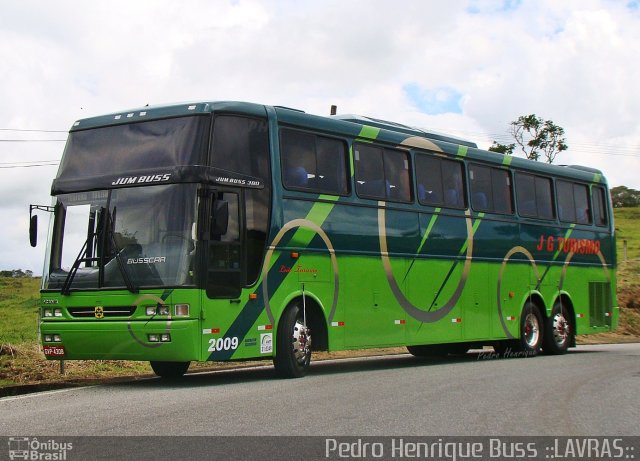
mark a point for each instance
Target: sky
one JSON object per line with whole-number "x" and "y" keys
{"x": 462, "y": 67}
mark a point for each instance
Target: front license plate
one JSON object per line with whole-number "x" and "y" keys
{"x": 53, "y": 351}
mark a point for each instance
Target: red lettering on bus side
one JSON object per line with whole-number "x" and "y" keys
{"x": 562, "y": 244}
{"x": 550, "y": 243}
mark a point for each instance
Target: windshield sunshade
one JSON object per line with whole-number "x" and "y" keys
{"x": 147, "y": 151}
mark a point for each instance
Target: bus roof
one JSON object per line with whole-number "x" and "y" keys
{"x": 389, "y": 132}
{"x": 393, "y": 126}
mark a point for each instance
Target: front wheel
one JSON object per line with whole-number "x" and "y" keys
{"x": 559, "y": 331}
{"x": 170, "y": 369}
{"x": 293, "y": 344}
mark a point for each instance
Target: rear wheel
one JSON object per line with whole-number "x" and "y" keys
{"x": 293, "y": 344}
{"x": 531, "y": 330}
{"x": 170, "y": 369}
{"x": 559, "y": 331}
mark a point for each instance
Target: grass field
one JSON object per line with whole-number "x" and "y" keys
{"x": 22, "y": 362}
{"x": 21, "y": 359}
{"x": 627, "y": 222}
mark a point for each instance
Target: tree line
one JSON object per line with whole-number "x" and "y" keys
{"x": 16, "y": 274}
{"x": 623, "y": 197}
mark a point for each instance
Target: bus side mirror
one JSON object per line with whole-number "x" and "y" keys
{"x": 220, "y": 221}
{"x": 33, "y": 230}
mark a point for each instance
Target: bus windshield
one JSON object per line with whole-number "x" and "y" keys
{"x": 124, "y": 238}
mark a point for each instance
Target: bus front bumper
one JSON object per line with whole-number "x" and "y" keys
{"x": 173, "y": 341}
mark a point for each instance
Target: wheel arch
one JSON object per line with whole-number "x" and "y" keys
{"x": 536, "y": 298}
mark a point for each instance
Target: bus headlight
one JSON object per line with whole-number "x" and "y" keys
{"x": 47, "y": 313}
{"x": 153, "y": 338}
{"x": 57, "y": 313}
{"x": 54, "y": 338}
{"x": 157, "y": 310}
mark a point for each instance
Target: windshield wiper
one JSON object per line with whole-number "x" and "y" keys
{"x": 123, "y": 269}
{"x": 84, "y": 257}
{"x": 66, "y": 286}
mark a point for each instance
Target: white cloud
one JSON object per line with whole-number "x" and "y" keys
{"x": 573, "y": 62}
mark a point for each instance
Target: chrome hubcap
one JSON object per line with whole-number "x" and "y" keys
{"x": 561, "y": 329}
{"x": 531, "y": 330}
{"x": 301, "y": 342}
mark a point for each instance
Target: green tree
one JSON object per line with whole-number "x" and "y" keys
{"x": 622, "y": 196}
{"x": 536, "y": 137}
{"x": 16, "y": 273}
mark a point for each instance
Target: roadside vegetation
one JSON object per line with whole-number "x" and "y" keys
{"x": 22, "y": 361}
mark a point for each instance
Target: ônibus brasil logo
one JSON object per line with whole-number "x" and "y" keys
{"x": 31, "y": 448}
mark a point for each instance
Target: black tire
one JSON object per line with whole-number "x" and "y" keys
{"x": 559, "y": 331}
{"x": 431, "y": 350}
{"x": 531, "y": 331}
{"x": 293, "y": 344}
{"x": 170, "y": 370}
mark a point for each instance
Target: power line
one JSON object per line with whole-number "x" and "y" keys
{"x": 37, "y": 163}
{"x": 27, "y": 166}
{"x": 32, "y": 140}
{"x": 33, "y": 131}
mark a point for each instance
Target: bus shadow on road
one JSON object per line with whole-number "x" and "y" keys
{"x": 266, "y": 372}
{"x": 318, "y": 368}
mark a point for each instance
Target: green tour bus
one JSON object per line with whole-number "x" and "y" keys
{"x": 219, "y": 231}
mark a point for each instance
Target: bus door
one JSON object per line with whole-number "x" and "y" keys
{"x": 222, "y": 264}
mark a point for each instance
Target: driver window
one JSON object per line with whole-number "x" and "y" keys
{"x": 224, "y": 269}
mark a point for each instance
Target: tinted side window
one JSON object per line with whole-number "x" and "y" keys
{"x": 599, "y": 208}
{"x": 332, "y": 166}
{"x": 544, "y": 198}
{"x": 526, "y": 195}
{"x": 573, "y": 202}
{"x": 314, "y": 163}
{"x": 453, "y": 186}
{"x": 566, "y": 207}
{"x": 490, "y": 189}
{"x": 439, "y": 182}
{"x": 480, "y": 186}
{"x": 501, "y": 186}
{"x": 534, "y": 196}
{"x": 241, "y": 144}
{"x": 396, "y": 170}
{"x": 581, "y": 197}
{"x": 382, "y": 173}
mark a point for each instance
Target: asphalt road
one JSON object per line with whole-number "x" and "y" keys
{"x": 591, "y": 391}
